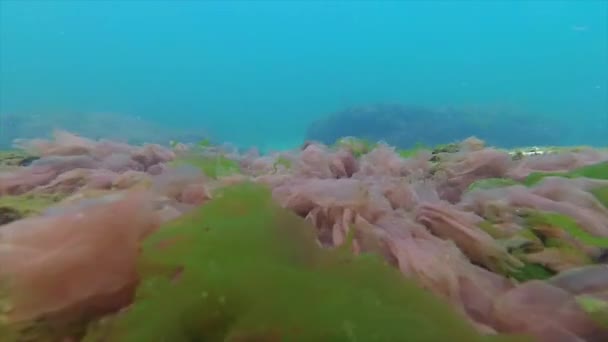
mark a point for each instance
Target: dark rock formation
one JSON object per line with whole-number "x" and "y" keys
{"x": 406, "y": 126}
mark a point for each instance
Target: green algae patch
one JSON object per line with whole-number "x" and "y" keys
{"x": 15, "y": 207}
{"x": 489, "y": 227}
{"x": 242, "y": 268}
{"x": 539, "y": 219}
{"x": 601, "y": 194}
{"x": 491, "y": 183}
{"x": 412, "y": 152}
{"x": 12, "y": 159}
{"x": 532, "y": 271}
{"x": 358, "y": 146}
{"x": 211, "y": 166}
{"x": 596, "y": 308}
{"x": 282, "y": 162}
{"x": 595, "y": 171}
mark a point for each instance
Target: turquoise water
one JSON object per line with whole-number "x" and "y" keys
{"x": 257, "y": 73}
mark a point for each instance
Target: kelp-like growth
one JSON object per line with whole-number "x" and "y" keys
{"x": 241, "y": 268}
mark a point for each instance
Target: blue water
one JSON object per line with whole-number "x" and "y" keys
{"x": 257, "y": 73}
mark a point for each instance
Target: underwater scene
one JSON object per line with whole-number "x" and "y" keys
{"x": 309, "y": 170}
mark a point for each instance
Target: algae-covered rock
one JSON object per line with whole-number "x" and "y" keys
{"x": 242, "y": 269}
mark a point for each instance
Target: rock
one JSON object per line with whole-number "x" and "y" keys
{"x": 407, "y": 126}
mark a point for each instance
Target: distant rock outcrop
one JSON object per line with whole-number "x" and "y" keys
{"x": 405, "y": 126}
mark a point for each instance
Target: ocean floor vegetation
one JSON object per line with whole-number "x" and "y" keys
{"x": 357, "y": 241}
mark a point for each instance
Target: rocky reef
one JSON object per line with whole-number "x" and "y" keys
{"x": 406, "y": 126}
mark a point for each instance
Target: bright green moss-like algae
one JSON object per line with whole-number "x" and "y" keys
{"x": 241, "y": 268}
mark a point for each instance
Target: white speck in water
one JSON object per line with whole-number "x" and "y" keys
{"x": 579, "y": 28}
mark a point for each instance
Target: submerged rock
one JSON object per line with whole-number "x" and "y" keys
{"x": 405, "y": 126}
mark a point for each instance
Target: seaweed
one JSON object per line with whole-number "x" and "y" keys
{"x": 242, "y": 268}
{"x": 594, "y": 171}
{"x": 602, "y": 195}
{"x": 488, "y": 227}
{"x": 446, "y": 148}
{"x": 211, "y": 166}
{"x": 15, "y": 158}
{"x": 491, "y": 183}
{"x": 596, "y": 308}
{"x": 283, "y": 162}
{"x": 531, "y": 271}
{"x": 536, "y": 219}
{"x": 412, "y": 152}
{"x": 16, "y": 207}
{"x": 357, "y": 146}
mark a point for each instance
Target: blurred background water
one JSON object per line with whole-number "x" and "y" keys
{"x": 260, "y": 72}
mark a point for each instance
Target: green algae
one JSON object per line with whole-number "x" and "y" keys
{"x": 412, "y": 152}
{"x": 241, "y": 268}
{"x": 601, "y": 194}
{"x": 532, "y": 271}
{"x": 491, "y": 183}
{"x": 204, "y": 143}
{"x": 488, "y": 227}
{"x": 537, "y": 218}
{"x": 25, "y": 205}
{"x": 446, "y": 148}
{"x": 44, "y": 330}
{"x": 283, "y": 162}
{"x": 358, "y": 146}
{"x": 211, "y": 166}
{"x": 595, "y": 171}
{"x": 596, "y": 308}
{"x": 12, "y": 159}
